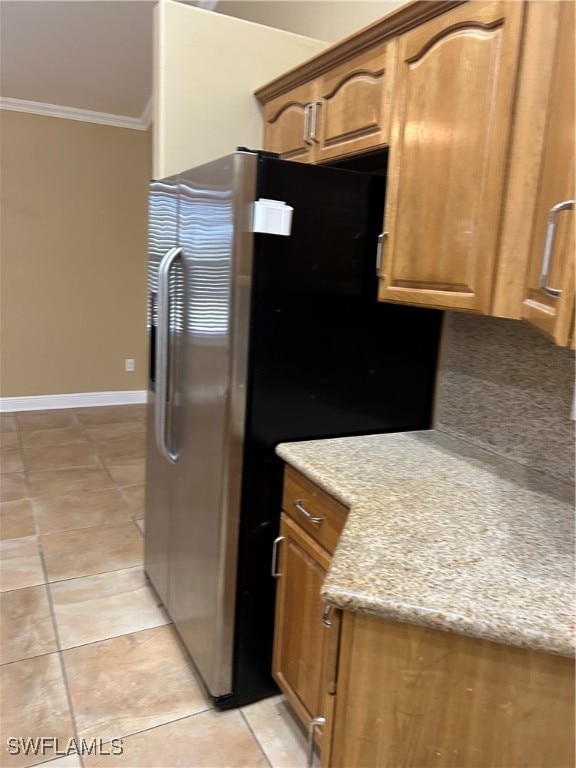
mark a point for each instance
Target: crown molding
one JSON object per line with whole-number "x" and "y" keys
{"x": 82, "y": 115}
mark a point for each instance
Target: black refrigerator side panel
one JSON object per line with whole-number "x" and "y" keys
{"x": 326, "y": 360}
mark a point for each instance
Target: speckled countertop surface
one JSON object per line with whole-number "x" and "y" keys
{"x": 446, "y": 535}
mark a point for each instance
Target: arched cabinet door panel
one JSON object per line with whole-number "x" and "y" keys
{"x": 454, "y": 95}
{"x": 287, "y": 124}
{"x": 354, "y": 105}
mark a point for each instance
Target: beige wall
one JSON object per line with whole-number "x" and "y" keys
{"x": 73, "y": 256}
{"x": 329, "y": 20}
{"x": 206, "y": 69}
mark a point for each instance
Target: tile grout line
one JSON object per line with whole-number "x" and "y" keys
{"x": 61, "y": 656}
{"x": 255, "y": 737}
{"x": 57, "y": 638}
{"x": 113, "y": 637}
{"x": 151, "y": 728}
{"x": 47, "y": 583}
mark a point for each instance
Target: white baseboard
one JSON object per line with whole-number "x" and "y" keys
{"x": 74, "y": 400}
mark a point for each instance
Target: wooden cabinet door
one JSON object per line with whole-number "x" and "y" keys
{"x": 414, "y": 696}
{"x": 455, "y": 85}
{"x": 300, "y": 637}
{"x": 550, "y": 313}
{"x": 353, "y": 110}
{"x": 287, "y": 124}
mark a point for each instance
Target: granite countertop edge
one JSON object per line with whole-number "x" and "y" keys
{"x": 333, "y": 464}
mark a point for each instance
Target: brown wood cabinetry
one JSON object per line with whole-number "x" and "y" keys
{"x": 393, "y": 693}
{"x": 353, "y": 104}
{"x": 475, "y": 101}
{"x": 287, "y": 124}
{"x": 454, "y": 95}
{"x": 549, "y": 297}
{"x": 303, "y": 643}
{"x": 299, "y": 634}
{"x": 344, "y": 111}
{"x": 414, "y": 696}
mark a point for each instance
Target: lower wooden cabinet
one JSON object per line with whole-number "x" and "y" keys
{"x": 417, "y": 697}
{"x": 300, "y": 637}
{"x": 306, "y": 632}
{"x": 393, "y": 694}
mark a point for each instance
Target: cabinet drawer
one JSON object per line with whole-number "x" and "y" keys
{"x": 300, "y": 497}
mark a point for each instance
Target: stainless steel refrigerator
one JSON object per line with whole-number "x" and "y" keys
{"x": 264, "y": 328}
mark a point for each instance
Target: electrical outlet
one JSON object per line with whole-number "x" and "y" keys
{"x": 129, "y": 364}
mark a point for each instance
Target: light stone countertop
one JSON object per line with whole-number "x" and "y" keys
{"x": 446, "y": 535}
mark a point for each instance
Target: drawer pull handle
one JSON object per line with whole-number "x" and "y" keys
{"x": 303, "y": 511}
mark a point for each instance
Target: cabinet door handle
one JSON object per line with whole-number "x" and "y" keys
{"x": 307, "y": 109}
{"x": 314, "y": 106}
{"x": 303, "y": 511}
{"x": 274, "y": 571}
{"x": 326, "y": 616}
{"x": 566, "y": 205}
{"x": 381, "y": 237}
{"x": 314, "y": 723}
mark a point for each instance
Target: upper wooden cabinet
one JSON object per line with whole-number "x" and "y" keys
{"x": 455, "y": 85}
{"x": 353, "y": 104}
{"x": 287, "y": 124}
{"x": 344, "y": 111}
{"x": 475, "y": 101}
{"x": 549, "y": 299}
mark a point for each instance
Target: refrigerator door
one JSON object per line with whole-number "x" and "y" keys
{"x": 210, "y": 390}
{"x": 162, "y": 240}
{"x": 326, "y": 360}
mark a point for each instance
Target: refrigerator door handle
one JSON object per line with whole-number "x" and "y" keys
{"x": 162, "y": 344}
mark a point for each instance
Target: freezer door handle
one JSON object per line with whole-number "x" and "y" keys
{"x": 162, "y": 346}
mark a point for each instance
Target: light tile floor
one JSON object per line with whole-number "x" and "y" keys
{"x": 86, "y": 650}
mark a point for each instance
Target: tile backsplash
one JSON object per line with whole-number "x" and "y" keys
{"x": 505, "y": 388}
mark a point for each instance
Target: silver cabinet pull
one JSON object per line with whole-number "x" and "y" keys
{"x": 326, "y": 616}
{"x": 314, "y": 723}
{"x": 162, "y": 343}
{"x": 303, "y": 511}
{"x": 314, "y": 106}
{"x": 567, "y": 205}
{"x": 307, "y": 109}
{"x": 277, "y": 541}
{"x": 381, "y": 237}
